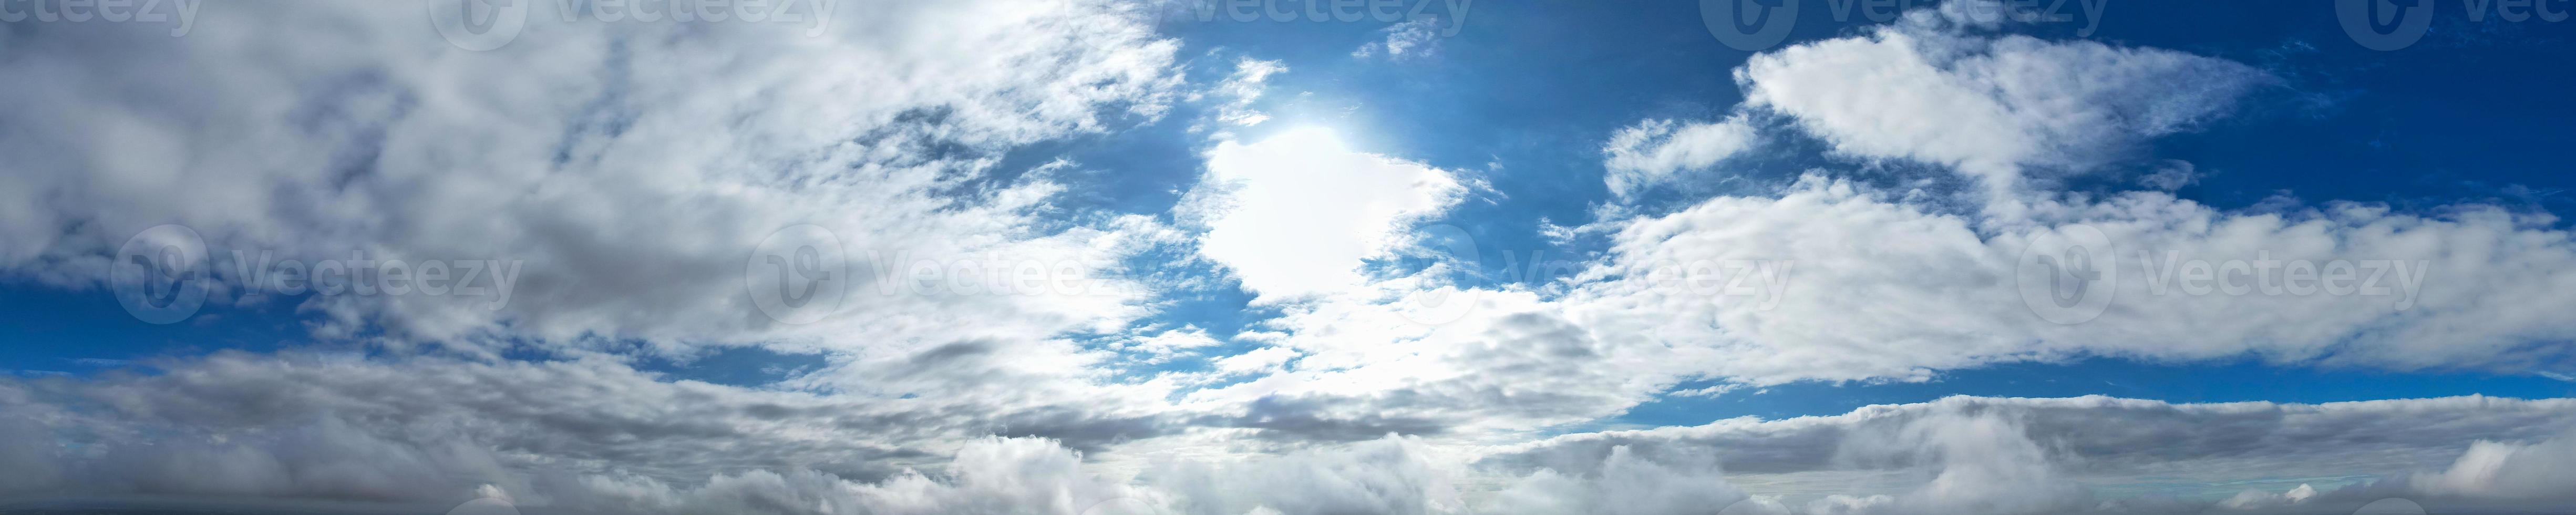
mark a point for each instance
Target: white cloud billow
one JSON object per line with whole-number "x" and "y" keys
{"x": 1917, "y": 284}
{"x": 1653, "y": 151}
{"x": 1413, "y": 39}
{"x": 604, "y": 153}
{"x": 594, "y": 152}
{"x": 1992, "y": 107}
{"x": 1294, "y": 215}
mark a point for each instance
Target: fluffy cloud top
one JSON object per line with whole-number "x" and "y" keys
{"x": 1297, "y": 213}
{"x": 668, "y": 152}
{"x": 592, "y": 153}
{"x": 1654, "y": 150}
{"x": 1926, "y": 90}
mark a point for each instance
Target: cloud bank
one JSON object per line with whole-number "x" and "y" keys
{"x": 596, "y": 154}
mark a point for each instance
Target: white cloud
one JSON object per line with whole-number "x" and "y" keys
{"x": 1990, "y": 107}
{"x": 1256, "y": 360}
{"x": 2251, "y": 499}
{"x": 594, "y": 436}
{"x": 2544, "y": 470}
{"x": 1294, "y": 215}
{"x": 667, "y": 152}
{"x": 1164, "y": 345}
{"x": 1898, "y": 283}
{"x": 1653, "y": 151}
{"x": 1411, "y": 39}
{"x": 1242, "y": 88}
{"x": 632, "y": 168}
{"x": 1912, "y": 289}
{"x": 1626, "y": 483}
{"x": 2004, "y": 455}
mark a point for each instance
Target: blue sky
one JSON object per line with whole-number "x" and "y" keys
{"x": 1296, "y": 253}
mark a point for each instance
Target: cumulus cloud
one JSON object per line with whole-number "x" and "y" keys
{"x": 635, "y": 183}
{"x": 433, "y": 432}
{"x": 1835, "y": 280}
{"x": 1628, "y": 484}
{"x": 630, "y": 180}
{"x": 1898, "y": 283}
{"x": 1921, "y": 289}
{"x": 2518, "y": 471}
{"x": 1652, "y": 151}
{"x": 1295, "y": 215}
{"x": 2251, "y": 499}
{"x": 2005, "y": 455}
{"x": 1926, "y": 90}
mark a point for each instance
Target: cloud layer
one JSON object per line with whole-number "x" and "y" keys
{"x": 593, "y": 437}
{"x": 633, "y": 169}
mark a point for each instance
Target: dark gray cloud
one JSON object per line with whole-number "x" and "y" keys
{"x": 2028, "y": 455}
{"x": 594, "y": 435}
{"x": 459, "y": 422}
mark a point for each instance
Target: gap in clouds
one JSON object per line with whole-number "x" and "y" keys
{"x": 2192, "y": 382}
